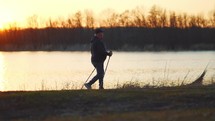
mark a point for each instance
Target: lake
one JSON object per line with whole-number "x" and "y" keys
{"x": 69, "y": 70}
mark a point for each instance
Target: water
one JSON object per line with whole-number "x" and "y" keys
{"x": 69, "y": 70}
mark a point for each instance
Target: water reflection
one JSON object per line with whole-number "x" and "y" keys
{"x": 69, "y": 70}
{"x": 2, "y": 80}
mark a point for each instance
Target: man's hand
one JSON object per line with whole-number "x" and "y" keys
{"x": 110, "y": 53}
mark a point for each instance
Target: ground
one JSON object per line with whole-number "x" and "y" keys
{"x": 147, "y": 104}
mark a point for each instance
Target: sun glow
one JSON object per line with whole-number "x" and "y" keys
{"x": 2, "y": 25}
{"x": 5, "y": 20}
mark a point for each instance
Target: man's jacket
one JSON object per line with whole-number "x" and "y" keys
{"x": 98, "y": 50}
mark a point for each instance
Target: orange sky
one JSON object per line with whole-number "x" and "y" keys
{"x": 19, "y": 10}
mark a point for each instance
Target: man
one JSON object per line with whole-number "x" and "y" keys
{"x": 99, "y": 54}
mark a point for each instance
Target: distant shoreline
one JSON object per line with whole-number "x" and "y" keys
{"x": 149, "y": 48}
{"x": 118, "y": 38}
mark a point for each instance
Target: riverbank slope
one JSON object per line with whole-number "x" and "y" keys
{"x": 148, "y": 104}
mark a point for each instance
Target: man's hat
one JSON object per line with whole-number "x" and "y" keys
{"x": 99, "y": 30}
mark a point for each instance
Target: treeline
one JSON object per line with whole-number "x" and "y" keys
{"x": 130, "y": 30}
{"x": 118, "y": 38}
{"x": 156, "y": 17}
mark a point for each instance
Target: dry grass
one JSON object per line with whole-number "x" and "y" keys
{"x": 129, "y": 85}
{"x": 163, "y": 115}
{"x": 167, "y": 103}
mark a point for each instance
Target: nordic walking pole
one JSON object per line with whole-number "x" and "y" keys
{"x": 88, "y": 77}
{"x": 107, "y": 65}
{"x": 94, "y": 70}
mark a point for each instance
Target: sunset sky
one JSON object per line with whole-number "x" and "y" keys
{"x": 19, "y": 10}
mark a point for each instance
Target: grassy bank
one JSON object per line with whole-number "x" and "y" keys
{"x": 148, "y": 104}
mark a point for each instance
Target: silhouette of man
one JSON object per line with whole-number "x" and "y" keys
{"x": 98, "y": 56}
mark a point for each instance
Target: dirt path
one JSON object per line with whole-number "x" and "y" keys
{"x": 46, "y": 105}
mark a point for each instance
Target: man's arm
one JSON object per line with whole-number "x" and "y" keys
{"x": 101, "y": 49}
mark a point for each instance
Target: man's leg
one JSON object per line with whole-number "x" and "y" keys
{"x": 100, "y": 75}
{"x": 93, "y": 80}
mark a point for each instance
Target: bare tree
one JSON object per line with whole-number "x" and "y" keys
{"x": 173, "y": 20}
{"x": 78, "y": 19}
{"x": 192, "y": 21}
{"x": 163, "y": 19}
{"x": 112, "y": 20}
{"x": 154, "y": 17}
{"x": 200, "y": 21}
{"x": 125, "y": 19}
{"x": 61, "y": 22}
{"x": 52, "y": 23}
{"x": 32, "y": 21}
{"x": 90, "y": 21}
{"x": 139, "y": 17}
{"x": 212, "y": 19}
{"x": 70, "y": 23}
{"x": 180, "y": 21}
{"x": 185, "y": 20}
